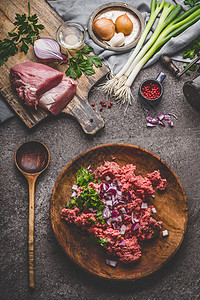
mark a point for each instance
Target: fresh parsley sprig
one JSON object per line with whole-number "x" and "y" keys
{"x": 190, "y": 51}
{"x": 21, "y": 36}
{"x": 82, "y": 62}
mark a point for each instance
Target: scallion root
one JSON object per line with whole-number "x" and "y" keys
{"x": 109, "y": 86}
{"x": 123, "y": 95}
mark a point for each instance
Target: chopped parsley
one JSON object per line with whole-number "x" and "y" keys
{"x": 84, "y": 177}
{"x": 97, "y": 240}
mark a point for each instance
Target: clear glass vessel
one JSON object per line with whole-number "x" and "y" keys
{"x": 70, "y": 35}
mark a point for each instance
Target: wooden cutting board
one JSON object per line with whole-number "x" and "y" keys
{"x": 79, "y": 106}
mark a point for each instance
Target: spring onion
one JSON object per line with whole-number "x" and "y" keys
{"x": 168, "y": 26}
{"x": 119, "y": 78}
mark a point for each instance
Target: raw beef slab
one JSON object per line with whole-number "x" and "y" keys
{"x": 57, "y": 98}
{"x": 31, "y": 80}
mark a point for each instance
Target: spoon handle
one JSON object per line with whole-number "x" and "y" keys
{"x": 31, "y": 182}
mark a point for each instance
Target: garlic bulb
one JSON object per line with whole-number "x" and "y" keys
{"x": 117, "y": 40}
{"x": 124, "y": 24}
{"x": 104, "y": 28}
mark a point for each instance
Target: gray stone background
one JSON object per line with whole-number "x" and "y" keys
{"x": 55, "y": 275}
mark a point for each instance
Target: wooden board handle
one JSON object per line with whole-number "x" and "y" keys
{"x": 85, "y": 115}
{"x": 31, "y": 182}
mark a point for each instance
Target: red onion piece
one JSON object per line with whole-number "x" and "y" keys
{"x": 154, "y": 121}
{"x": 106, "y": 213}
{"x": 73, "y": 194}
{"x": 160, "y": 117}
{"x": 167, "y": 117}
{"x": 135, "y": 226}
{"x": 107, "y": 178}
{"x": 161, "y": 123}
{"x": 48, "y": 49}
{"x": 153, "y": 210}
{"x": 134, "y": 220}
{"x": 111, "y": 263}
{"x": 149, "y": 119}
{"x": 75, "y": 187}
{"x": 151, "y": 125}
{"x": 122, "y": 243}
{"x": 109, "y": 203}
{"x": 144, "y": 205}
{"x": 165, "y": 233}
{"x": 123, "y": 210}
{"x": 115, "y": 213}
{"x": 171, "y": 124}
{"x": 123, "y": 229}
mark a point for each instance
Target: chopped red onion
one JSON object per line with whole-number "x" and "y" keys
{"x": 165, "y": 233}
{"x": 109, "y": 203}
{"x": 106, "y": 213}
{"x": 117, "y": 183}
{"x": 154, "y": 121}
{"x": 135, "y": 226}
{"x": 153, "y": 210}
{"x": 153, "y": 196}
{"x": 171, "y": 124}
{"x": 123, "y": 210}
{"x": 49, "y": 50}
{"x": 123, "y": 229}
{"x": 111, "y": 263}
{"x": 115, "y": 213}
{"x": 111, "y": 191}
{"x": 149, "y": 119}
{"x": 173, "y": 115}
{"x": 160, "y": 117}
{"x": 108, "y": 221}
{"x": 161, "y": 123}
{"x": 151, "y": 125}
{"x": 134, "y": 220}
{"x": 144, "y": 205}
{"x": 167, "y": 117}
{"x": 90, "y": 171}
{"x": 89, "y": 167}
{"x": 75, "y": 187}
{"x": 107, "y": 178}
{"x": 129, "y": 194}
{"x": 73, "y": 194}
{"x": 117, "y": 219}
{"x": 92, "y": 210}
{"x": 122, "y": 243}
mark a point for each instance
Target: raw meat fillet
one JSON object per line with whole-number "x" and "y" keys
{"x": 31, "y": 80}
{"x": 58, "y": 97}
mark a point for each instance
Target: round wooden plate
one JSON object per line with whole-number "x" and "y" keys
{"x": 171, "y": 206}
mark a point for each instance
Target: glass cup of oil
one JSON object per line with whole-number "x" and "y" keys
{"x": 70, "y": 35}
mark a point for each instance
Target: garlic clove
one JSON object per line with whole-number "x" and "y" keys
{"x": 117, "y": 40}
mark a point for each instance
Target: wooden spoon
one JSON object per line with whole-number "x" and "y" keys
{"x": 32, "y": 158}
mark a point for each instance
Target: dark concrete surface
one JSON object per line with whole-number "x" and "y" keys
{"x": 58, "y": 278}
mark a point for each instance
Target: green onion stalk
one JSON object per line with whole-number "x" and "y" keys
{"x": 168, "y": 14}
{"x": 118, "y": 79}
{"x": 175, "y": 28}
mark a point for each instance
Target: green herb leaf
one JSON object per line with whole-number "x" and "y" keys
{"x": 191, "y": 2}
{"x": 94, "y": 59}
{"x": 84, "y": 177}
{"x": 86, "y": 49}
{"x": 23, "y": 34}
{"x": 83, "y": 63}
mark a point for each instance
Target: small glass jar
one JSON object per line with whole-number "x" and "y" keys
{"x": 70, "y": 35}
